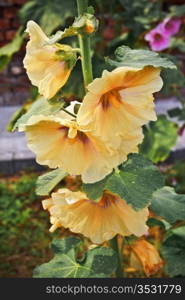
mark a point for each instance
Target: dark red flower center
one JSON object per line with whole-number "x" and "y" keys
{"x": 158, "y": 36}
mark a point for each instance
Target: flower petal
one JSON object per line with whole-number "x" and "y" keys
{"x": 43, "y": 66}
{"x": 126, "y": 105}
{"x": 97, "y": 221}
{"x": 61, "y": 143}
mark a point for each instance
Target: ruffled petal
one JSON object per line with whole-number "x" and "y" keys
{"x": 61, "y": 143}
{"x": 147, "y": 255}
{"x": 119, "y": 102}
{"x": 97, "y": 221}
{"x": 44, "y": 68}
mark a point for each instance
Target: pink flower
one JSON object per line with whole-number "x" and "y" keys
{"x": 157, "y": 39}
{"x": 170, "y": 26}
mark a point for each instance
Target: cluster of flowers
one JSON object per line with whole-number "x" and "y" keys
{"x": 159, "y": 37}
{"x": 107, "y": 127}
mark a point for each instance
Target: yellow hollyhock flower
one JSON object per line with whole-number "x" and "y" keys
{"x": 60, "y": 142}
{"x": 100, "y": 221}
{"x": 146, "y": 257}
{"x": 120, "y": 101}
{"x": 45, "y": 66}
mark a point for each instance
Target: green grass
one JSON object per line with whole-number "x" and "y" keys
{"x": 24, "y": 235}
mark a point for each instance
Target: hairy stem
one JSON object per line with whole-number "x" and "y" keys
{"x": 118, "y": 249}
{"x": 84, "y": 41}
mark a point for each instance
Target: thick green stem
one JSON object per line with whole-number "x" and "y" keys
{"x": 115, "y": 246}
{"x": 84, "y": 41}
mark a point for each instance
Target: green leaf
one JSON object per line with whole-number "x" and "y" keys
{"x": 174, "y": 112}
{"x": 156, "y": 222}
{"x": 74, "y": 87}
{"x": 139, "y": 15}
{"x": 7, "y": 51}
{"x": 99, "y": 262}
{"x": 178, "y": 43}
{"x": 168, "y": 204}
{"x": 182, "y": 115}
{"x": 48, "y": 14}
{"x": 46, "y": 183}
{"x": 39, "y": 107}
{"x": 135, "y": 182}
{"x": 99, "y": 65}
{"x": 160, "y": 137}
{"x": 173, "y": 251}
{"x": 124, "y": 56}
{"x": 4, "y": 61}
{"x": 70, "y": 31}
{"x": 177, "y": 112}
{"x": 33, "y": 94}
{"x": 173, "y": 79}
{"x": 177, "y": 11}
{"x": 16, "y": 116}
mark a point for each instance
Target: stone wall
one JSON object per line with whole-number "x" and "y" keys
{"x": 13, "y": 80}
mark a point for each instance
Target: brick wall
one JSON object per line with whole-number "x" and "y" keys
{"x": 13, "y": 80}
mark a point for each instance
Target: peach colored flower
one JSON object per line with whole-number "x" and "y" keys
{"x": 59, "y": 142}
{"x": 98, "y": 221}
{"x": 146, "y": 257}
{"x": 119, "y": 102}
{"x": 45, "y": 67}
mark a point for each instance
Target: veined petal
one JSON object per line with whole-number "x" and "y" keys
{"x": 55, "y": 77}
{"x": 98, "y": 221}
{"x": 44, "y": 67}
{"x": 147, "y": 255}
{"x": 120, "y": 101}
{"x": 59, "y": 142}
{"x": 37, "y": 36}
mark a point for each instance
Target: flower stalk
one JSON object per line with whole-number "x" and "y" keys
{"x": 114, "y": 243}
{"x": 84, "y": 41}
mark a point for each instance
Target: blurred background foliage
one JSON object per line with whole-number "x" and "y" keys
{"x": 120, "y": 22}
{"x": 23, "y": 230}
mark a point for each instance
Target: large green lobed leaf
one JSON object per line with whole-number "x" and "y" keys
{"x": 7, "y": 51}
{"x": 135, "y": 182}
{"x": 177, "y": 11}
{"x": 99, "y": 262}
{"x": 168, "y": 204}
{"x": 74, "y": 88}
{"x": 173, "y": 252}
{"x": 160, "y": 138}
{"x": 173, "y": 79}
{"x": 47, "y": 182}
{"x": 39, "y": 107}
{"x": 124, "y": 56}
{"x": 50, "y": 14}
